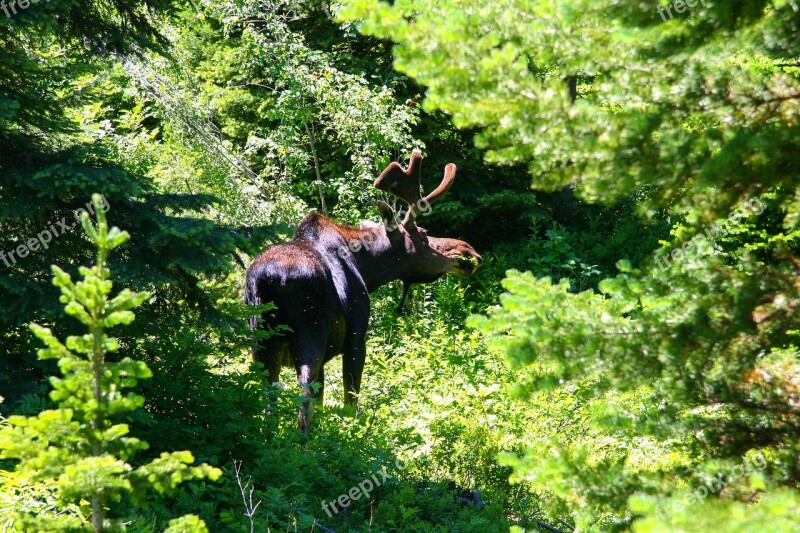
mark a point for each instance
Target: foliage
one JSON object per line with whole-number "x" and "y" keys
{"x": 656, "y": 393}
{"x": 610, "y": 93}
{"x": 307, "y": 128}
{"x": 76, "y": 457}
{"x": 691, "y": 115}
{"x": 50, "y": 165}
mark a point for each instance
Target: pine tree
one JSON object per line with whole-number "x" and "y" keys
{"x": 75, "y": 460}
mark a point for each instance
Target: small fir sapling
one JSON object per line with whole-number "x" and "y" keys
{"x": 72, "y": 462}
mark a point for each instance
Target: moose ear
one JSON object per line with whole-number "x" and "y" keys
{"x": 387, "y": 214}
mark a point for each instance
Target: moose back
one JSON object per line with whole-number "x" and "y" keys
{"x": 320, "y": 282}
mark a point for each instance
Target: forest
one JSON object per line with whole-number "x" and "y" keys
{"x": 602, "y": 326}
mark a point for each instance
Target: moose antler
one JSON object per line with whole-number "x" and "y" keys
{"x": 405, "y": 185}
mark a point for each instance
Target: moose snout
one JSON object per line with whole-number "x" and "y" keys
{"x": 470, "y": 261}
{"x": 460, "y": 258}
{"x": 467, "y": 261}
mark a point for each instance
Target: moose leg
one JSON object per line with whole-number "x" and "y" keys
{"x": 270, "y": 356}
{"x": 305, "y": 376}
{"x": 268, "y": 352}
{"x": 308, "y": 357}
{"x": 353, "y": 358}
{"x": 320, "y": 397}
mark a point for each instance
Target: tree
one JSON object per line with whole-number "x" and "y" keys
{"x": 689, "y": 358}
{"x": 74, "y": 460}
{"x": 313, "y": 131}
{"x": 64, "y": 103}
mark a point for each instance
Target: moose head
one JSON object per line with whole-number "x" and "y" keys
{"x": 406, "y": 250}
{"x": 320, "y": 282}
{"x": 428, "y": 258}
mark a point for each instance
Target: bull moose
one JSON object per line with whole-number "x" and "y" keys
{"x": 320, "y": 282}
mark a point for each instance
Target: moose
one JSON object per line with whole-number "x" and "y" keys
{"x": 321, "y": 280}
